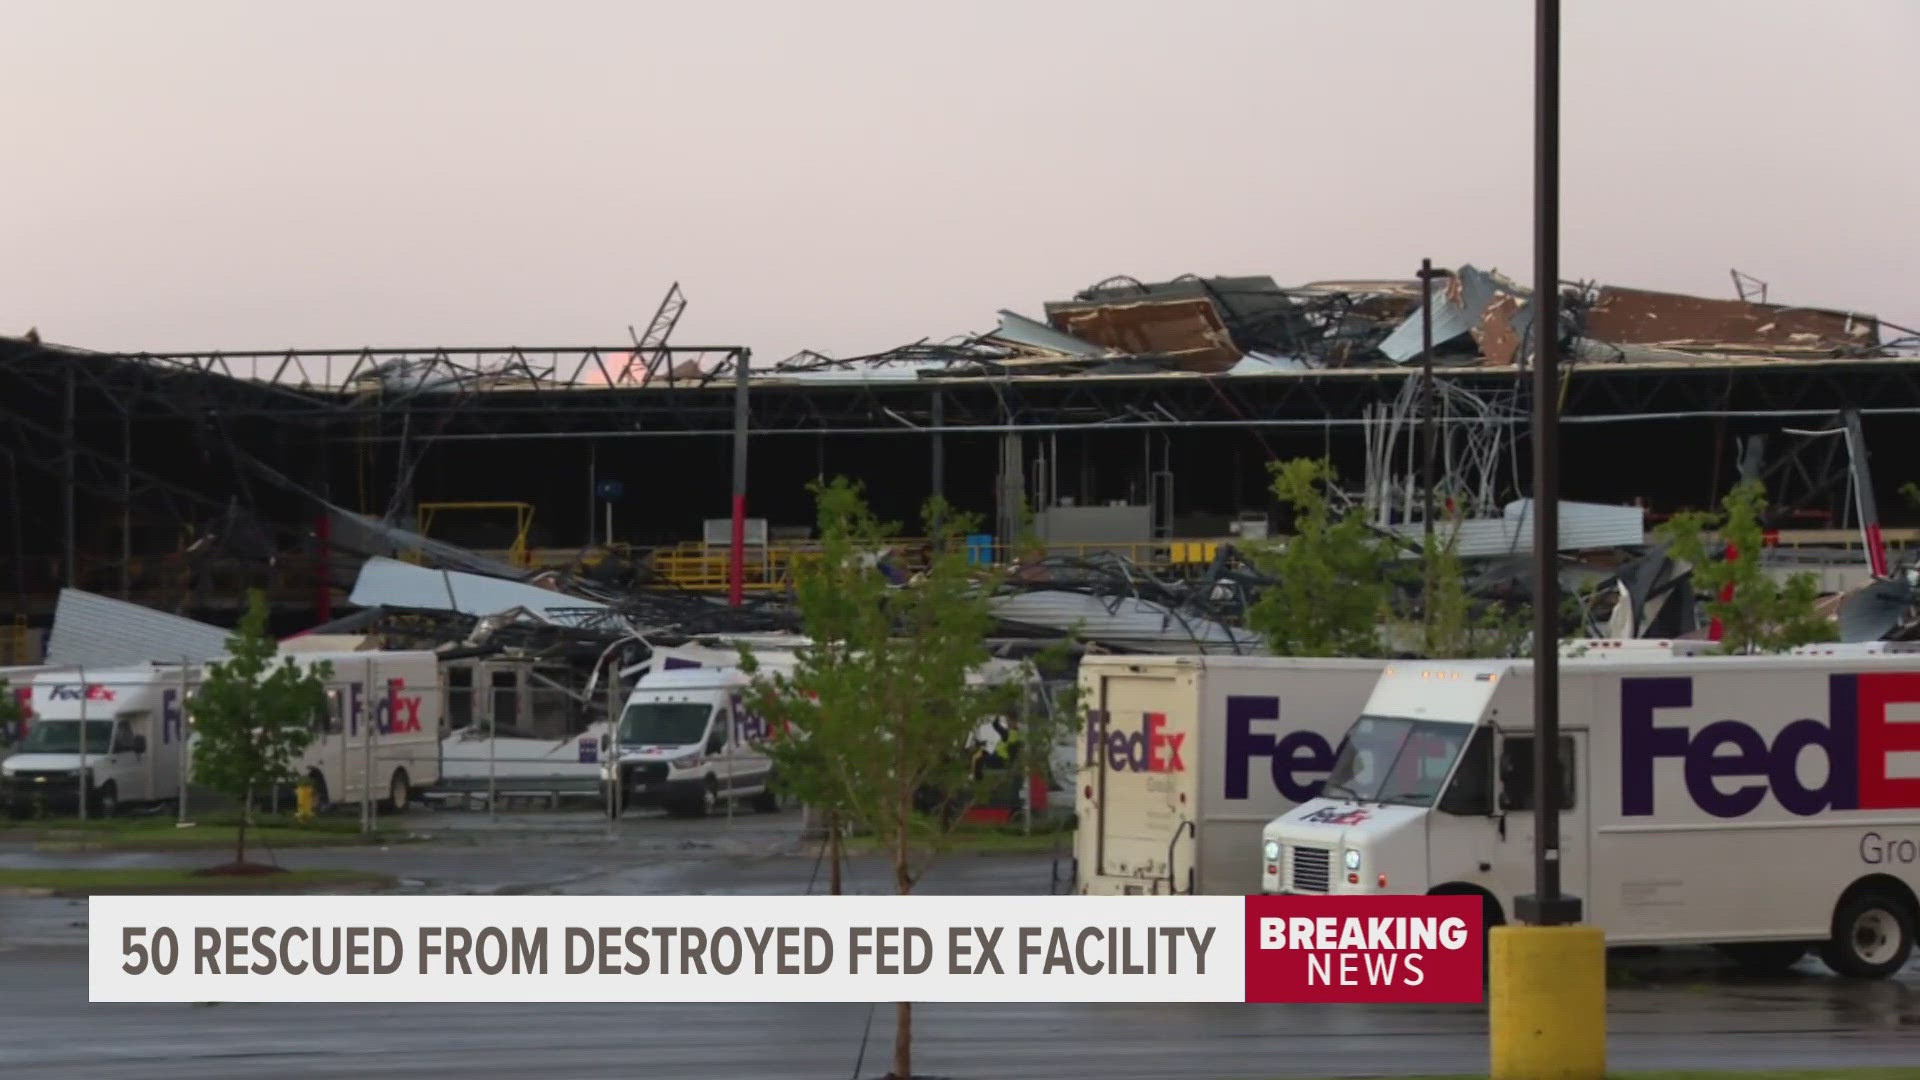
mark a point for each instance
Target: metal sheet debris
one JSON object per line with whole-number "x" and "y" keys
{"x": 1693, "y": 323}
{"x": 390, "y": 583}
{"x": 99, "y": 630}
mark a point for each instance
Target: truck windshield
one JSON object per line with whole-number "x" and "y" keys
{"x": 665, "y": 723}
{"x": 63, "y": 737}
{"x": 1390, "y": 760}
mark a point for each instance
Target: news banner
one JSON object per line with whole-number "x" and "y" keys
{"x": 786, "y": 949}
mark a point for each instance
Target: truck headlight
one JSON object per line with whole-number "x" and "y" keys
{"x": 1272, "y": 850}
{"x": 1353, "y": 859}
{"x": 685, "y": 761}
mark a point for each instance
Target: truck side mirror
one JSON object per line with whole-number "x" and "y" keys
{"x": 139, "y": 744}
{"x": 606, "y": 743}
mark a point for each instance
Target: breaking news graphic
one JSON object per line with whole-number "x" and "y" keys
{"x": 794, "y": 949}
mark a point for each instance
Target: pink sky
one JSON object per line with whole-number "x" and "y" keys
{"x": 849, "y": 176}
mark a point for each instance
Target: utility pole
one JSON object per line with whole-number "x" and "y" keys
{"x": 736, "y": 554}
{"x": 1428, "y": 431}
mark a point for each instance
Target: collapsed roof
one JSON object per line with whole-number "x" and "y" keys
{"x": 1252, "y": 325}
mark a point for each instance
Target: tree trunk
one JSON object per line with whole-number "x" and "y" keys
{"x": 903, "y": 1041}
{"x": 902, "y": 885}
{"x": 240, "y": 857}
{"x": 833, "y": 854}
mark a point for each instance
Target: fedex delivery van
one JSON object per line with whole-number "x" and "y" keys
{"x": 1766, "y": 805}
{"x": 1184, "y": 759}
{"x": 687, "y": 741}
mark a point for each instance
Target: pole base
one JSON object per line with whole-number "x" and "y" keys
{"x": 1547, "y": 1009}
{"x": 1562, "y": 910}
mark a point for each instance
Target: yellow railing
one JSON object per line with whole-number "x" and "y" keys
{"x": 706, "y": 568}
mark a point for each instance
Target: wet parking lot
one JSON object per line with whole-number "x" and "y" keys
{"x": 1673, "y": 1009}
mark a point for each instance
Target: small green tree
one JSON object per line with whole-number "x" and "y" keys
{"x": 1762, "y": 614}
{"x": 253, "y": 718}
{"x": 1454, "y": 626}
{"x": 1332, "y": 575}
{"x": 883, "y": 706}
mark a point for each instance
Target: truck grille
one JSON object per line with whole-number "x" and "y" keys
{"x": 652, "y": 772}
{"x": 1310, "y": 869}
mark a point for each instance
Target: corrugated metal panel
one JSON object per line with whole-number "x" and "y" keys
{"x": 1583, "y": 527}
{"x": 1128, "y": 619}
{"x": 1453, "y": 315}
{"x": 96, "y": 630}
{"x": 391, "y": 583}
{"x": 1020, "y": 330}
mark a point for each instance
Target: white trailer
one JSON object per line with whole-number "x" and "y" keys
{"x": 1184, "y": 758}
{"x": 1765, "y": 805}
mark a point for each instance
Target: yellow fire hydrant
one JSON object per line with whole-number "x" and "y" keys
{"x": 303, "y": 801}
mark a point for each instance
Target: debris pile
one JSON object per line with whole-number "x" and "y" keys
{"x": 1252, "y": 325}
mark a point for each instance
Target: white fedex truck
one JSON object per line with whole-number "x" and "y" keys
{"x": 116, "y": 734}
{"x": 381, "y": 736}
{"x": 1184, "y": 758}
{"x": 1764, "y": 805}
{"x": 688, "y": 742}
{"x": 127, "y": 731}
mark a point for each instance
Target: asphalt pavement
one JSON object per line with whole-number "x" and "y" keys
{"x": 1683, "y": 1009}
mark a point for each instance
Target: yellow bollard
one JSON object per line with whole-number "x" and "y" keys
{"x": 1547, "y": 1005}
{"x": 303, "y": 802}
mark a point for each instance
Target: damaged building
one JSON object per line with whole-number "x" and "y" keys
{"x": 1133, "y": 422}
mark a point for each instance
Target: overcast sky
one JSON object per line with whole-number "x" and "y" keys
{"x": 849, "y": 176}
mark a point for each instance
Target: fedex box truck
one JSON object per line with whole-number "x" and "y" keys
{"x": 1185, "y": 758}
{"x": 380, "y": 738}
{"x": 113, "y": 736}
{"x": 1765, "y": 805}
{"x": 122, "y": 734}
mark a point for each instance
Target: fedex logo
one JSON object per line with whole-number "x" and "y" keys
{"x": 1856, "y": 741}
{"x": 1146, "y": 750}
{"x": 748, "y": 725}
{"x": 391, "y": 714}
{"x": 1287, "y": 755}
{"x": 172, "y": 717}
{"x": 77, "y": 692}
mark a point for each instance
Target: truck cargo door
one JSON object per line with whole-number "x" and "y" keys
{"x": 1135, "y": 754}
{"x": 1513, "y": 858}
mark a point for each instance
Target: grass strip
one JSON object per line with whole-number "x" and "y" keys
{"x": 178, "y": 880}
{"x": 163, "y": 833}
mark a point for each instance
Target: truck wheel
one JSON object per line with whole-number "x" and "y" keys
{"x": 399, "y": 792}
{"x": 106, "y": 801}
{"x": 768, "y": 801}
{"x": 1872, "y": 936}
{"x": 708, "y": 801}
{"x": 1764, "y": 957}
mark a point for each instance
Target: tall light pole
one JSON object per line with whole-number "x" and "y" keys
{"x": 1547, "y": 1011}
{"x": 1548, "y": 906}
